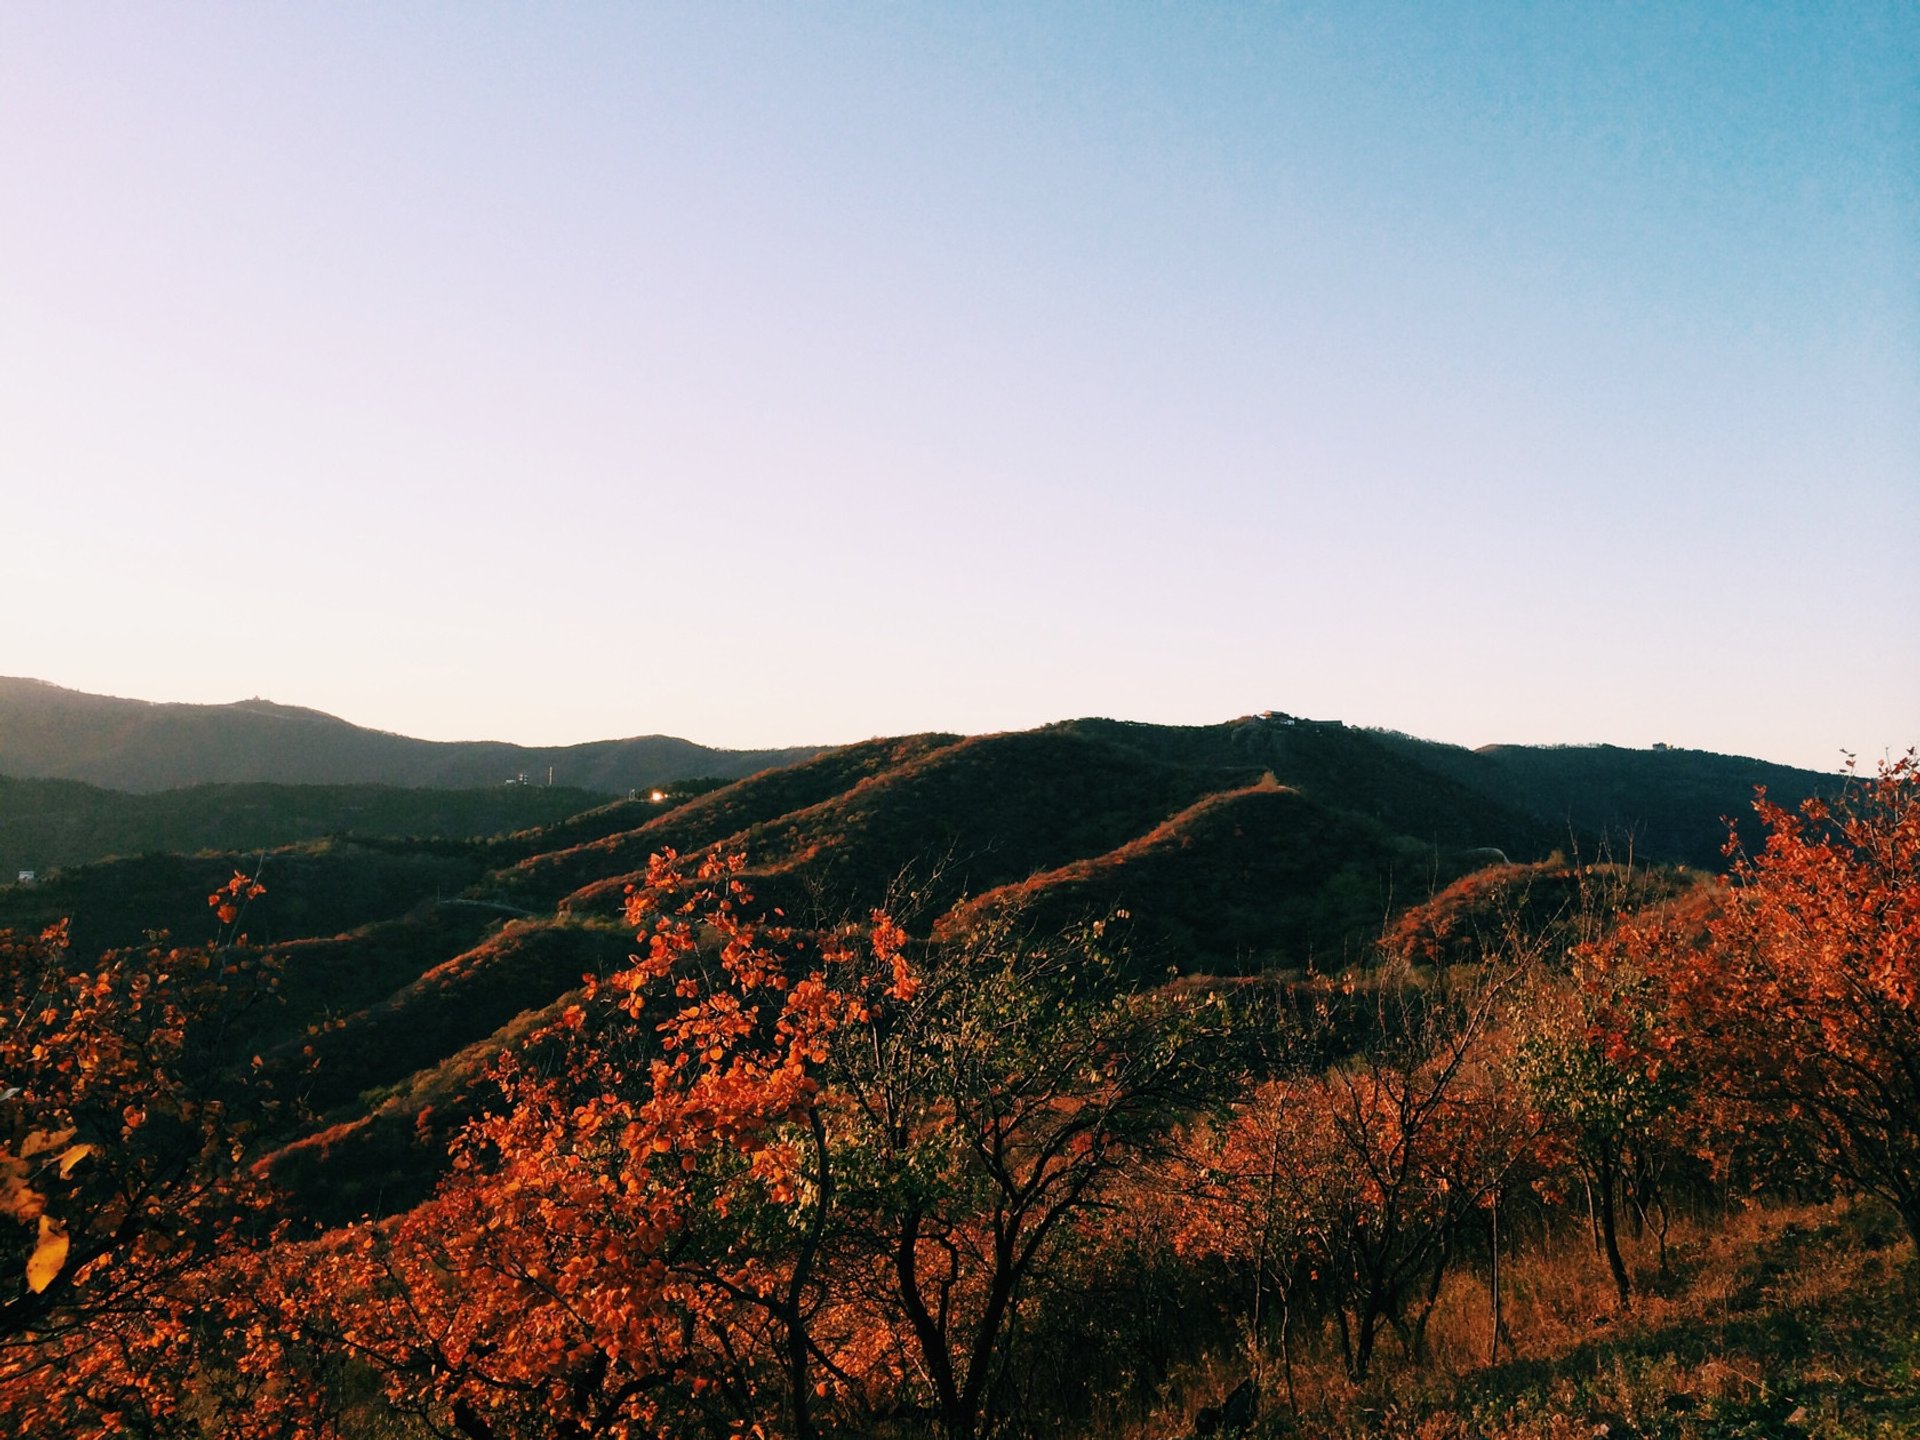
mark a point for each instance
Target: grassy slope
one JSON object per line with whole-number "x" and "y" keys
{"x": 1776, "y": 1323}
{"x": 544, "y": 878}
{"x": 1245, "y": 880}
{"x": 983, "y": 813}
{"x": 524, "y": 965}
{"x": 386, "y": 1157}
{"x": 1347, "y": 769}
{"x": 312, "y": 890}
{"x": 1544, "y": 901}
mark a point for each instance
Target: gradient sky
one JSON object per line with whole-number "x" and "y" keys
{"x": 775, "y": 374}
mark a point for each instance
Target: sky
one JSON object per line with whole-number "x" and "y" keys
{"x": 779, "y": 374}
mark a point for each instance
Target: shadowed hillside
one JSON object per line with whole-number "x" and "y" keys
{"x": 1244, "y": 881}
{"x": 318, "y": 889}
{"x": 983, "y": 812}
{"x": 955, "y": 820}
{"x": 1545, "y": 904}
{"x": 449, "y": 1006}
{"x": 1346, "y": 768}
{"x": 1671, "y": 805}
{"x": 48, "y": 823}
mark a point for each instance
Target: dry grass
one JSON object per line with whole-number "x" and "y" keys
{"x": 1801, "y": 1323}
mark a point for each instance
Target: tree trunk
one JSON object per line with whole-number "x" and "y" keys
{"x": 1431, "y": 1300}
{"x": 1366, "y": 1333}
{"x": 1346, "y": 1338}
{"x": 797, "y": 1376}
{"x": 1660, "y": 1231}
{"x": 792, "y": 1311}
{"x": 1493, "y": 1283}
{"x": 930, "y": 1335}
{"x": 1286, "y": 1347}
{"x": 1609, "y": 1234}
{"x": 1001, "y": 1283}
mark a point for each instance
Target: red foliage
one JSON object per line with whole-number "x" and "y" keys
{"x": 628, "y": 1245}
{"x": 124, "y": 1119}
{"x": 1804, "y": 1002}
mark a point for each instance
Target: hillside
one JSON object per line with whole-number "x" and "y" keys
{"x": 616, "y": 842}
{"x": 47, "y": 732}
{"x": 1667, "y": 804}
{"x": 1240, "y": 882}
{"x": 1262, "y": 844}
{"x": 49, "y": 823}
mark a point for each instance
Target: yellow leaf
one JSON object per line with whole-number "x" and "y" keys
{"x": 48, "y": 1256}
{"x": 73, "y": 1157}
{"x": 39, "y": 1140}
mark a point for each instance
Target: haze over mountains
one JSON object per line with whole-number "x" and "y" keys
{"x": 47, "y": 732}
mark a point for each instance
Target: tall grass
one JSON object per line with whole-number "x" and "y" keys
{"x": 1770, "y": 1321}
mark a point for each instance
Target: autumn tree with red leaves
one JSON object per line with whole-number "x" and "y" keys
{"x": 760, "y": 1181}
{"x": 1419, "y": 1132}
{"x": 125, "y": 1115}
{"x": 1803, "y": 1002}
{"x": 630, "y": 1244}
{"x": 1255, "y": 1192}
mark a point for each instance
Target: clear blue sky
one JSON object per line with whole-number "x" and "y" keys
{"x": 783, "y": 373}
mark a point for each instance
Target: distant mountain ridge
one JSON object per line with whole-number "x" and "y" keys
{"x": 51, "y": 733}
{"x": 1667, "y": 803}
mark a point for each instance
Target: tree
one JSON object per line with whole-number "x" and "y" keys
{"x": 1415, "y": 1135}
{"x": 1004, "y": 1102}
{"x": 824, "y": 1181}
{"x": 1255, "y": 1195}
{"x": 1586, "y": 1058}
{"x": 125, "y": 1116}
{"x": 630, "y": 1244}
{"x": 1804, "y": 999}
